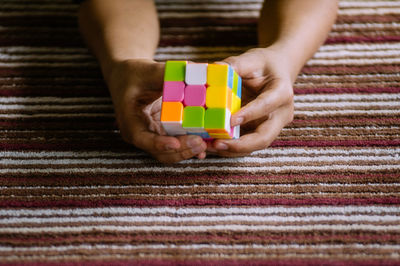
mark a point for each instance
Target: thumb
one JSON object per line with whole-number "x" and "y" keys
{"x": 248, "y": 65}
{"x": 236, "y": 63}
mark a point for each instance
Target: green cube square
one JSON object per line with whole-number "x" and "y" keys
{"x": 193, "y": 117}
{"x": 235, "y": 83}
{"x": 215, "y": 118}
{"x": 175, "y": 71}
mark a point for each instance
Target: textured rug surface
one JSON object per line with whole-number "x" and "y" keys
{"x": 71, "y": 191}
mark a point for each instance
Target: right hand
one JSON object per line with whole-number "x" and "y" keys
{"x": 135, "y": 84}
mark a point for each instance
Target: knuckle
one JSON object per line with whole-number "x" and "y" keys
{"x": 257, "y": 50}
{"x": 231, "y": 60}
{"x": 288, "y": 95}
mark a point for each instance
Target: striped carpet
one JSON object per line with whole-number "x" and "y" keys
{"x": 326, "y": 192}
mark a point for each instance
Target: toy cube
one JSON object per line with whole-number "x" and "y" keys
{"x": 199, "y": 99}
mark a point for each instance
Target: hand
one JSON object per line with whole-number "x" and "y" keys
{"x": 133, "y": 85}
{"x": 267, "y": 101}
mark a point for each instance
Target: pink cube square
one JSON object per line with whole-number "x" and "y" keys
{"x": 195, "y": 95}
{"x": 173, "y": 91}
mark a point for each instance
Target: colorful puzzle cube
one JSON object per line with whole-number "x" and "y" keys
{"x": 199, "y": 99}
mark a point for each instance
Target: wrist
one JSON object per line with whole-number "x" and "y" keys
{"x": 290, "y": 58}
{"x": 114, "y": 68}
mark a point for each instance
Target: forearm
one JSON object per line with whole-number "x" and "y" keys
{"x": 296, "y": 28}
{"x": 119, "y": 30}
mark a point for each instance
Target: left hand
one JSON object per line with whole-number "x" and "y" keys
{"x": 267, "y": 98}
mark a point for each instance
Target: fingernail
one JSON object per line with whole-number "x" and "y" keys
{"x": 202, "y": 156}
{"x": 239, "y": 120}
{"x": 197, "y": 150}
{"x": 221, "y": 146}
{"x": 193, "y": 142}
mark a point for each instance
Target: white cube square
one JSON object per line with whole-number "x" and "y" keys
{"x": 236, "y": 132}
{"x": 227, "y": 120}
{"x": 196, "y": 74}
{"x": 173, "y": 128}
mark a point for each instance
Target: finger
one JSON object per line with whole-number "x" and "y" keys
{"x": 166, "y": 149}
{"x": 152, "y": 142}
{"x": 210, "y": 148}
{"x": 139, "y": 135}
{"x": 260, "y": 139}
{"x": 191, "y": 146}
{"x": 248, "y": 65}
{"x": 202, "y": 156}
{"x": 266, "y": 103}
{"x": 152, "y": 114}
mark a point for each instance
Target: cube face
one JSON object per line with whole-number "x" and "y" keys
{"x": 193, "y": 117}
{"x": 173, "y": 91}
{"x": 235, "y": 83}
{"x": 175, "y": 71}
{"x": 217, "y": 97}
{"x": 218, "y": 75}
{"x": 239, "y": 87}
{"x": 236, "y": 102}
{"x": 172, "y": 112}
{"x": 195, "y": 95}
{"x": 230, "y": 77}
{"x": 199, "y": 99}
{"x": 196, "y": 74}
{"x": 217, "y": 121}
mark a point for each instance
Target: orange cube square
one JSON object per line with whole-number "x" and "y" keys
{"x": 171, "y": 111}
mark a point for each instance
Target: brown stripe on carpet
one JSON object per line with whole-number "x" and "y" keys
{"x": 327, "y": 191}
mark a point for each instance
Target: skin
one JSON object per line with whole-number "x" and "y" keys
{"x": 288, "y": 37}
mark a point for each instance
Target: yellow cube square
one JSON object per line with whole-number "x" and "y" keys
{"x": 217, "y": 97}
{"x": 217, "y": 75}
{"x": 236, "y": 103}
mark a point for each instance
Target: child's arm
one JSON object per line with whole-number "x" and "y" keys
{"x": 123, "y": 35}
{"x": 290, "y": 32}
